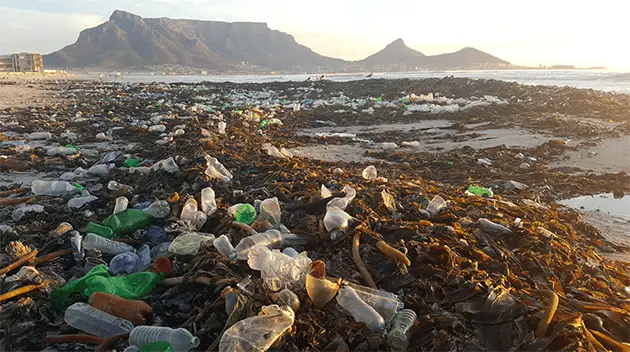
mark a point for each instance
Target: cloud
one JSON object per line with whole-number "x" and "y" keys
{"x": 34, "y": 31}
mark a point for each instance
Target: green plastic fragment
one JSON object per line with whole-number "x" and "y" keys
{"x": 131, "y": 162}
{"x": 158, "y": 346}
{"x": 100, "y": 230}
{"x": 263, "y": 124}
{"x": 379, "y": 99}
{"x": 480, "y": 191}
{"x": 77, "y": 148}
{"x": 245, "y": 213}
{"x": 78, "y": 187}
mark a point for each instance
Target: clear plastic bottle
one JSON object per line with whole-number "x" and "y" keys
{"x": 385, "y": 303}
{"x": 118, "y": 187}
{"x": 92, "y": 241}
{"x": 188, "y": 243}
{"x": 161, "y": 250}
{"x": 291, "y": 252}
{"x": 52, "y": 188}
{"x": 167, "y": 165}
{"x": 492, "y": 228}
{"x": 436, "y": 205}
{"x": 158, "y": 209}
{"x": 82, "y": 316}
{"x": 144, "y": 257}
{"x": 258, "y": 333}
{"x": 360, "y": 311}
{"x": 180, "y": 339}
{"x": 270, "y": 210}
{"x": 272, "y": 239}
{"x": 100, "y": 169}
{"x": 121, "y": 205}
{"x": 76, "y": 242}
{"x": 79, "y": 202}
{"x": 224, "y": 246}
{"x": 400, "y": 332}
{"x": 208, "y": 201}
{"x": 189, "y": 209}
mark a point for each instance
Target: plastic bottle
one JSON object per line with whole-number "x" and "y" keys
{"x": 245, "y": 213}
{"x": 189, "y": 209}
{"x": 137, "y": 312}
{"x": 156, "y": 235}
{"x": 271, "y": 239}
{"x": 60, "y": 151}
{"x": 124, "y": 263}
{"x": 288, "y": 298}
{"x": 127, "y": 221}
{"x": 188, "y": 243}
{"x": 118, "y": 187}
{"x": 161, "y": 250}
{"x": 492, "y": 228}
{"x": 100, "y": 230}
{"x": 131, "y": 162}
{"x": 19, "y": 212}
{"x": 52, "y": 188}
{"x": 100, "y": 169}
{"x": 291, "y": 252}
{"x": 121, "y": 205}
{"x": 436, "y": 205}
{"x": 167, "y": 165}
{"x": 61, "y": 229}
{"x": 360, "y": 311}
{"x": 40, "y": 135}
{"x": 214, "y": 169}
{"x": 385, "y": 303}
{"x": 258, "y": 333}
{"x": 400, "y": 332}
{"x": 83, "y": 317}
{"x": 208, "y": 201}
{"x": 369, "y": 173}
{"x": 270, "y": 210}
{"x": 92, "y": 241}
{"x": 76, "y": 242}
{"x": 199, "y": 219}
{"x": 144, "y": 257}
{"x": 180, "y": 339}
{"x": 158, "y": 209}
{"x": 79, "y": 202}
{"x": 223, "y": 246}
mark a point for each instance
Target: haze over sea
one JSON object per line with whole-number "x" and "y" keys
{"x": 590, "y": 79}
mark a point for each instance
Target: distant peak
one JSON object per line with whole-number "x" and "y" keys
{"x": 118, "y": 15}
{"x": 398, "y": 42}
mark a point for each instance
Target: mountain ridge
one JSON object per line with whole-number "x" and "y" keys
{"x": 128, "y": 40}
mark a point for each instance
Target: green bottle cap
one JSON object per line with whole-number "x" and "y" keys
{"x": 246, "y": 213}
{"x": 157, "y": 346}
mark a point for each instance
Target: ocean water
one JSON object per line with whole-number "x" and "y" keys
{"x": 605, "y": 80}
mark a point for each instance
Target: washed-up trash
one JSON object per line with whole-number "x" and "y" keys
{"x": 512, "y": 185}
{"x": 54, "y": 188}
{"x": 21, "y": 211}
{"x": 180, "y": 339}
{"x": 270, "y": 210}
{"x": 479, "y": 191}
{"x": 260, "y": 332}
{"x": 136, "y": 312}
{"x": 370, "y": 173}
{"x": 214, "y": 169}
{"x": 400, "y": 332}
{"x": 83, "y": 317}
{"x": 188, "y": 243}
{"x": 272, "y": 239}
{"x": 360, "y": 311}
{"x": 484, "y": 162}
{"x": 245, "y": 213}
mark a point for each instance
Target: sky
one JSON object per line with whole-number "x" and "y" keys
{"x": 530, "y": 33}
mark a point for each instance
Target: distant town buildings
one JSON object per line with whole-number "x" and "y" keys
{"x": 21, "y": 62}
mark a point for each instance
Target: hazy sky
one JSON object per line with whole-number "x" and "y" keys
{"x": 532, "y": 32}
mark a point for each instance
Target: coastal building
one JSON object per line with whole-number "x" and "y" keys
{"x": 21, "y": 62}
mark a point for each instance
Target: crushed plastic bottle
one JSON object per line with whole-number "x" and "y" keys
{"x": 127, "y": 221}
{"x": 40, "y": 135}
{"x": 19, "y": 212}
{"x": 208, "y": 201}
{"x": 259, "y": 333}
{"x": 100, "y": 169}
{"x": 167, "y": 165}
{"x": 189, "y": 210}
{"x": 157, "y": 128}
{"x": 385, "y": 303}
{"x": 124, "y": 263}
{"x": 79, "y": 202}
{"x": 360, "y": 311}
{"x": 370, "y": 173}
{"x": 272, "y": 239}
{"x": 74, "y": 175}
{"x": 53, "y": 188}
{"x": 158, "y": 209}
{"x": 270, "y": 210}
{"x": 92, "y": 241}
{"x": 223, "y": 246}
{"x": 83, "y": 317}
{"x": 278, "y": 270}
{"x": 436, "y": 205}
{"x": 188, "y": 243}
{"x": 118, "y": 187}
{"x": 492, "y": 228}
{"x": 76, "y": 242}
{"x": 121, "y": 205}
{"x": 180, "y": 339}
{"x": 214, "y": 169}
{"x": 400, "y": 332}
{"x": 144, "y": 257}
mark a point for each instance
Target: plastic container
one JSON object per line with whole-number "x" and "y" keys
{"x": 360, "y": 311}
{"x": 121, "y": 205}
{"x": 136, "y": 312}
{"x": 245, "y": 213}
{"x": 258, "y": 333}
{"x": 270, "y": 210}
{"x": 92, "y": 241}
{"x": 369, "y": 173}
{"x": 208, "y": 201}
{"x": 52, "y": 188}
{"x": 158, "y": 209}
{"x": 271, "y": 239}
{"x": 180, "y": 339}
{"x": 189, "y": 210}
{"x": 128, "y": 221}
{"x": 79, "y": 202}
{"x": 157, "y": 235}
{"x": 400, "y": 332}
{"x": 223, "y": 246}
{"x": 385, "y": 303}
{"x": 83, "y": 317}
{"x": 188, "y": 243}
{"x": 436, "y": 205}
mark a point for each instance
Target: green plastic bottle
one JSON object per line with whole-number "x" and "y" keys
{"x": 128, "y": 221}
{"x": 480, "y": 191}
{"x": 131, "y": 162}
{"x": 132, "y": 286}
{"x": 245, "y": 213}
{"x": 263, "y": 124}
{"x": 158, "y": 346}
{"x": 100, "y": 230}
{"x": 77, "y": 148}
